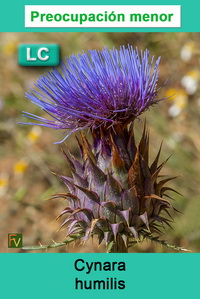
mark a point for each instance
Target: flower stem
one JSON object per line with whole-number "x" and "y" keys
{"x": 42, "y": 247}
{"x": 117, "y": 246}
{"x": 164, "y": 243}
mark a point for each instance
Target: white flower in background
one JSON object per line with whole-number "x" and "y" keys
{"x": 187, "y": 51}
{"x": 174, "y": 111}
{"x": 179, "y": 99}
{"x": 191, "y": 81}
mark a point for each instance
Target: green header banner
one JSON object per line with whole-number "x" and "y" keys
{"x": 102, "y": 16}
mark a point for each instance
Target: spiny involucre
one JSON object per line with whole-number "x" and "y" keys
{"x": 114, "y": 192}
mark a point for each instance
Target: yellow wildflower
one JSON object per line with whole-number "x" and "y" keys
{"x": 10, "y": 47}
{"x": 180, "y": 101}
{"x": 20, "y": 167}
{"x": 3, "y": 183}
{"x": 34, "y": 134}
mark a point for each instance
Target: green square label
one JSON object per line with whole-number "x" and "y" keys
{"x": 38, "y": 54}
{"x": 15, "y": 240}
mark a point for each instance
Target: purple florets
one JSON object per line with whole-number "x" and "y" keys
{"x": 96, "y": 88}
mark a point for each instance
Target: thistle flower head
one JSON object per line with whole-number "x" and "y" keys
{"x": 97, "y": 88}
{"x": 115, "y": 192}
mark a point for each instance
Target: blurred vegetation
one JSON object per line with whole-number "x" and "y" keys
{"x": 27, "y": 154}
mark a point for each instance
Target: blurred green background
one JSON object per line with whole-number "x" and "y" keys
{"x": 27, "y": 154}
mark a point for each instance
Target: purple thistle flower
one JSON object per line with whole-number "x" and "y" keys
{"x": 115, "y": 192}
{"x": 97, "y": 88}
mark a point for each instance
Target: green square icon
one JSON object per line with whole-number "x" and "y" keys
{"x": 15, "y": 240}
{"x": 38, "y": 55}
